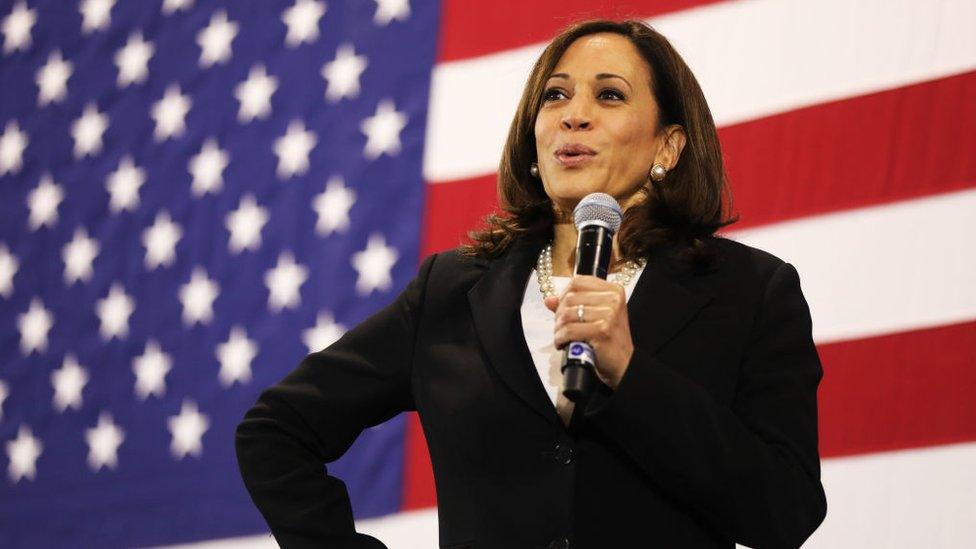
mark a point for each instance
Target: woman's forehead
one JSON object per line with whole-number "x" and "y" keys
{"x": 602, "y": 53}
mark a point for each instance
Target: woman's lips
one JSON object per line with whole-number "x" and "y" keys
{"x": 572, "y": 156}
{"x": 573, "y": 160}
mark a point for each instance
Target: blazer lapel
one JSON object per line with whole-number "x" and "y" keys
{"x": 496, "y": 303}
{"x": 665, "y": 299}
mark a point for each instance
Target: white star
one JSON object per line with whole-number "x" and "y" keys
{"x": 87, "y": 131}
{"x": 293, "y": 148}
{"x": 133, "y": 60}
{"x": 103, "y": 443}
{"x": 34, "y": 326}
{"x": 383, "y": 130}
{"x": 173, "y": 6}
{"x": 12, "y": 145}
{"x": 123, "y": 185}
{"x": 342, "y": 73}
{"x": 214, "y": 40}
{"x": 150, "y": 369}
{"x": 17, "y": 28}
{"x": 113, "y": 311}
{"x": 255, "y": 94}
{"x": 302, "y": 20}
{"x": 235, "y": 356}
{"x": 332, "y": 207}
{"x": 245, "y": 224}
{"x": 373, "y": 265}
{"x": 4, "y": 392}
{"x": 52, "y": 79}
{"x": 325, "y": 332}
{"x": 97, "y": 14}
{"x": 170, "y": 112}
{"x": 388, "y": 10}
{"x": 207, "y": 168}
{"x": 23, "y": 453}
{"x": 160, "y": 241}
{"x": 68, "y": 383}
{"x": 78, "y": 256}
{"x": 283, "y": 283}
{"x": 43, "y": 202}
{"x": 187, "y": 430}
{"x": 8, "y": 268}
{"x": 197, "y": 297}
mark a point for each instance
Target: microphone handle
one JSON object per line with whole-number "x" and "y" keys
{"x": 593, "y": 247}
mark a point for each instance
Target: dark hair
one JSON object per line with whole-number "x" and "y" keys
{"x": 686, "y": 208}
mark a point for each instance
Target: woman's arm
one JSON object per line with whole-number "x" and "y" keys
{"x": 752, "y": 470}
{"x": 315, "y": 413}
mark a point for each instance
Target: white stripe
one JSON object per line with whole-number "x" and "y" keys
{"x": 882, "y": 269}
{"x": 900, "y": 500}
{"x": 412, "y": 530}
{"x": 897, "y": 500}
{"x": 753, "y": 58}
{"x": 407, "y": 530}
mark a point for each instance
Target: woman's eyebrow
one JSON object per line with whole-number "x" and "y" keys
{"x": 601, "y": 76}
{"x": 606, "y": 75}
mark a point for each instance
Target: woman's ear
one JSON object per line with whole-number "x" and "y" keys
{"x": 674, "y": 143}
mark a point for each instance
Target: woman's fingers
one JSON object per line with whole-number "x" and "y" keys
{"x": 590, "y": 332}
{"x": 592, "y": 297}
{"x": 591, "y": 313}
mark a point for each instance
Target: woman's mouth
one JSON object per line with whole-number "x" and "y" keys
{"x": 574, "y": 155}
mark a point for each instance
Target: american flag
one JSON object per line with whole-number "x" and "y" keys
{"x": 197, "y": 193}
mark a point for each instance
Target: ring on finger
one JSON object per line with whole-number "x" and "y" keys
{"x": 579, "y": 313}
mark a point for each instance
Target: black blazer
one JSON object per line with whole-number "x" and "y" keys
{"x": 710, "y": 438}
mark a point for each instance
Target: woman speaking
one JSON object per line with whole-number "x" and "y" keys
{"x": 701, "y": 430}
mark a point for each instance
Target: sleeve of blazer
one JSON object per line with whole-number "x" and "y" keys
{"x": 752, "y": 470}
{"x": 315, "y": 413}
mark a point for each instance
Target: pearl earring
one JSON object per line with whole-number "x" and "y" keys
{"x": 658, "y": 172}
{"x": 534, "y": 170}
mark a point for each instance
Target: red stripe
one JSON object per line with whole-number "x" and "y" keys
{"x": 893, "y": 145}
{"x": 418, "y": 475}
{"x": 907, "y": 390}
{"x": 453, "y": 209}
{"x": 899, "y": 144}
{"x": 898, "y": 391}
{"x": 470, "y": 31}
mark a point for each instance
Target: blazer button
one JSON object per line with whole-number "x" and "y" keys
{"x": 563, "y": 454}
{"x": 559, "y": 543}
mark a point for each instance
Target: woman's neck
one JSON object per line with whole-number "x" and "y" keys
{"x": 564, "y": 249}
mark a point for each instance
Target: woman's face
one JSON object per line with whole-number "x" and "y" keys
{"x": 596, "y": 128}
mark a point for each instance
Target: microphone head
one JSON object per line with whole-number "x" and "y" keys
{"x": 598, "y": 209}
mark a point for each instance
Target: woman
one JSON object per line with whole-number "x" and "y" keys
{"x": 703, "y": 432}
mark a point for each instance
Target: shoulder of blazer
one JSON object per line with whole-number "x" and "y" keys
{"x": 744, "y": 262}
{"x": 453, "y": 265}
{"x": 452, "y": 274}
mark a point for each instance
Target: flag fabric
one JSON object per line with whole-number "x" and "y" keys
{"x": 196, "y": 194}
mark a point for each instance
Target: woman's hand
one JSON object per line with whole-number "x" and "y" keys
{"x": 605, "y": 325}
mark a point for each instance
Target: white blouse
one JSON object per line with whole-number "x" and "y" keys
{"x": 538, "y": 324}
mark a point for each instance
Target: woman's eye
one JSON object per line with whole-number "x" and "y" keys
{"x": 611, "y": 94}
{"x": 552, "y": 95}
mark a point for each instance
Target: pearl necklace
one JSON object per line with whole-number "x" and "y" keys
{"x": 544, "y": 272}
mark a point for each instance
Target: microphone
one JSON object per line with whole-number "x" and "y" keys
{"x": 597, "y": 218}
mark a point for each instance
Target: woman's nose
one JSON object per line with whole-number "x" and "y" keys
{"x": 576, "y": 122}
{"x": 577, "y": 116}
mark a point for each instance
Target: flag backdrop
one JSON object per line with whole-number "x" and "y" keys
{"x": 195, "y": 194}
